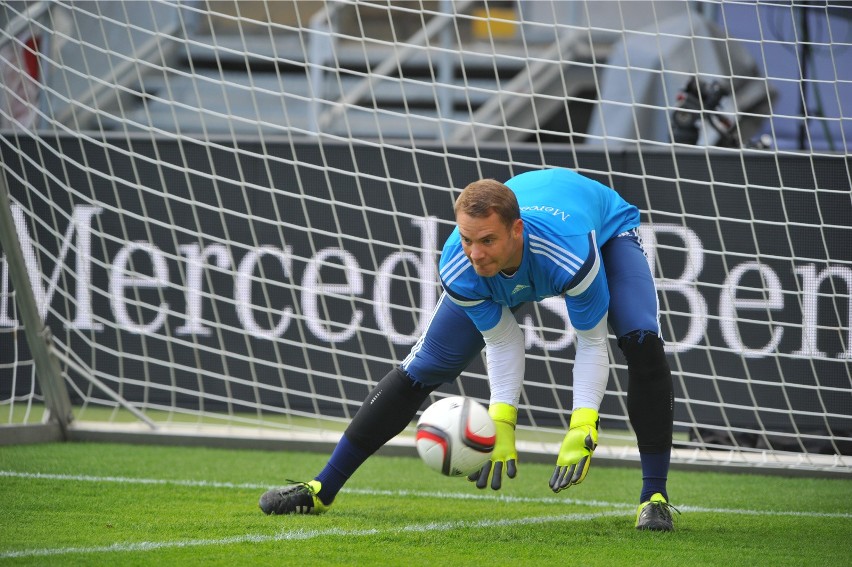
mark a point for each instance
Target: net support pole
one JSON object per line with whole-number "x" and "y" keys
{"x": 38, "y": 334}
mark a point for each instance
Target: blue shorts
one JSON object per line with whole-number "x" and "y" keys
{"x": 451, "y": 340}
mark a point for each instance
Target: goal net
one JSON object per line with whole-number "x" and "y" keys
{"x": 229, "y": 214}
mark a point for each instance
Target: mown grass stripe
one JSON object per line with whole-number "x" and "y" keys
{"x": 305, "y": 535}
{"x": 556, "y": 500}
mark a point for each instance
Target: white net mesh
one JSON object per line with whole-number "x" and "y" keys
{"x": 231, "y": 211}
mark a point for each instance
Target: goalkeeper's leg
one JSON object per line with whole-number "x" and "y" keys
{"x": 389, "y": 407}
{"x": 446, "y": 348}
{"x": 634, "y": 317}
{"x": 650, "y": 407}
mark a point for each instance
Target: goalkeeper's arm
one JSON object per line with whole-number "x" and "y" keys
{"x": 504, "y": 353}
{"x": 591, "y": 367}
{"x": 504, "y": 357}
{"x": 591, "y": 370}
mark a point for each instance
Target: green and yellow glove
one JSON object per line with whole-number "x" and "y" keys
{"x": 505, "y": 455}
{"x": 575, "y": 455}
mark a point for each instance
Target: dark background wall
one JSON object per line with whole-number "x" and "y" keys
{"x": 787, "y": 213}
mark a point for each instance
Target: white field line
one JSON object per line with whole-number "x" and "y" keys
{"x": 301, "y": 534}
{"x": 486, "y": 496}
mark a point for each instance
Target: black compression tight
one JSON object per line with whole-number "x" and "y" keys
{"x": 388, "y": 409}
{"x": 650, "y": 394}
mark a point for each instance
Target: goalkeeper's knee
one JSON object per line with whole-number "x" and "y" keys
{"x": 388, "y": 409}
{"x": 650, "y": 393}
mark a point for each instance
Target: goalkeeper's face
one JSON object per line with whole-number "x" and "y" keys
{"x": 490, "y": 244}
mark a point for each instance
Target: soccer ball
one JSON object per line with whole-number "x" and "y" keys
{"x": 455, "y": 436}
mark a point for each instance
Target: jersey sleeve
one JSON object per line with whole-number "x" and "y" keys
{"x": 587, "y": 295}
{"x": 484, "y": 313}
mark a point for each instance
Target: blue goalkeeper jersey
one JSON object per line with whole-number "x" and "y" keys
{"x": 567, "y": 218}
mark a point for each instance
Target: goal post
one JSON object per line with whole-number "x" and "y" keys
{"x": 229, "y": 214}
{"x": 38, "y": 336}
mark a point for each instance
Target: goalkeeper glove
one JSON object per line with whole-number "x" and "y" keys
{"x": 575, "y": 455}
{"x": 504, "y": 455}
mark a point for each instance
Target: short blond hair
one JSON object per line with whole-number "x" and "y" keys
{"x": 481, "y": 198}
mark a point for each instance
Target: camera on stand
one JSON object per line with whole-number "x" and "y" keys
{"x": 698, "y": 102}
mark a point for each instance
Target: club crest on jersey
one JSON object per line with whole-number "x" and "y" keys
{"x": 519, "y": 288}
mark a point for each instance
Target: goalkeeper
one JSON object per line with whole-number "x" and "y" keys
{"x": 541, "y": 234}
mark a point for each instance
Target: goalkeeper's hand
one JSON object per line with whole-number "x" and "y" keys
{"x": 504, "y": 456}
{"x": 575, "y": 455}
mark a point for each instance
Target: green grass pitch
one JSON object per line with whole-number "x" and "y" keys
{"x": 117, "y": 505}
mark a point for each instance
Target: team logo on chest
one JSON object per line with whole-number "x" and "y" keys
{"x": 519, "y": 288}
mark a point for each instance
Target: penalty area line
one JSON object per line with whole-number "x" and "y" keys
{"x": 557, "y": 500}
{"x": 550, "y": 500}
{"x": 301, "y": 534}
